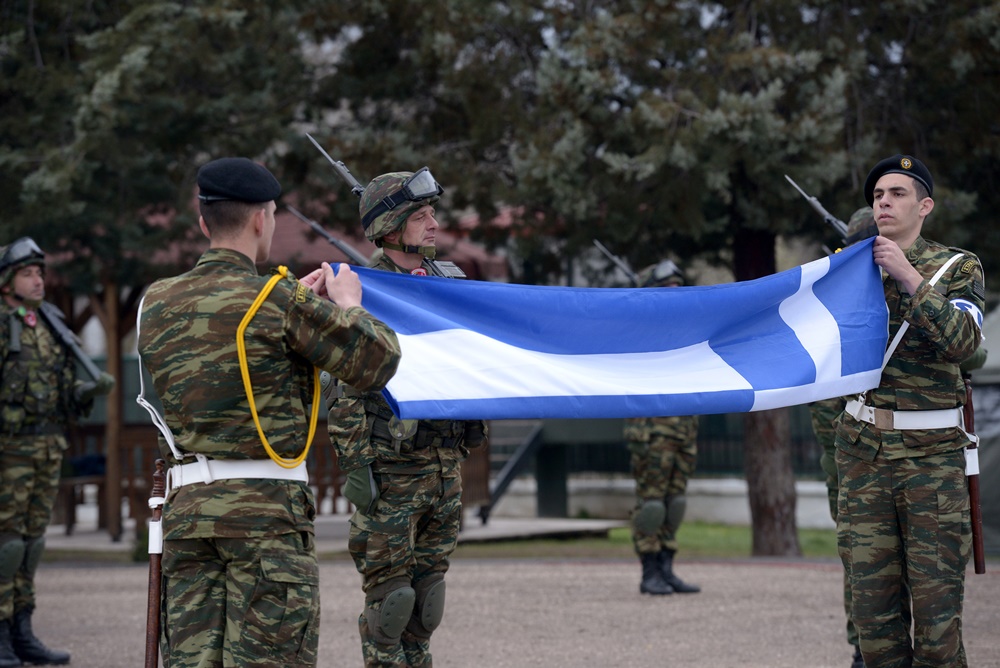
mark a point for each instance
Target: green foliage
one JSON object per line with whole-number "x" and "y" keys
{"x": 697, "y": 540}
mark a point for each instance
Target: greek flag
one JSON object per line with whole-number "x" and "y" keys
{"x": 485, "y": 350}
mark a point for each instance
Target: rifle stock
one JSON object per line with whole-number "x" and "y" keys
{"x": 54, "y": 318}
{"x": 978, "y": 550}
{"x": 155, "y": 554}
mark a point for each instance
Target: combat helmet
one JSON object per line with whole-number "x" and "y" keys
{"x": 661, "y": 274}
{"x": 859, "y": 220}
{"x": 21, "y": 253}
{"x": 389, "y": 199}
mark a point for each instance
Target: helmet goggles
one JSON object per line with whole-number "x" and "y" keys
{"x": 21, "y": 250}
{"x": 663, "y": 270}
{"x": 417, "y": 188}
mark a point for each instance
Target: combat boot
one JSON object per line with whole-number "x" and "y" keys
{"x": 29, "y": 648}
{"x": 7, "y": 657}
{"x": 652, "y": 579}
{"x": 665, "y": 559}
{"x": 858, "y": 661}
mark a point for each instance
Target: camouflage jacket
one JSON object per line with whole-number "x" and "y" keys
{"x": 681, "y": 428}
{"x": 364, "y": 431}
{"x": 188, "y": 342}
{"x": 923, "y": 372}
{"x": 37, "y": 375}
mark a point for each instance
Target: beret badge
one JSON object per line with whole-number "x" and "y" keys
{"x": 906, "y": 163}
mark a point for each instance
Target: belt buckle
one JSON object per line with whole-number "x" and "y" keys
{"x": 883, "y": 418}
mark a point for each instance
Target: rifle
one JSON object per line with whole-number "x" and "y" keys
{"x": 972, "y": 475}
{"x": 837, "y": 224}
{"x": 53, "y": 316}
{"x": 632, "y": 276}
{"x": 441, "y": 268}
{"x": 155, "y": 554}
{"x": 341, "y": 168}
{"x": 828, "y": 217}
{"x": 355, "y": 255}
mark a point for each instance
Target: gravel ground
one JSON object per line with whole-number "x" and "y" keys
{"x": 543, "y": 612}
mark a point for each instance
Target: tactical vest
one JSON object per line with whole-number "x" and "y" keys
{"x": 386, "y": 431}
{"x": 34, "y": 393}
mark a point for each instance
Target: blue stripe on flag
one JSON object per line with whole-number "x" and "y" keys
{"x": 489, "y": 350}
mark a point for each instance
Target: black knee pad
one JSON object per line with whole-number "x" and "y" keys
{"x": 429, "y": 610}
{"x": 676, "y": 507}
{"x": 649, "y": 516}
{"x": 396, "y": 599}
{"x": 12, "y": 551}
{"x": 33, "y": 548}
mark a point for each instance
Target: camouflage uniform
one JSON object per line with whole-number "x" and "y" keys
{"x": 903, "y": 507}
{"x": 664, "y": 451}
{"x": 824, "y": 415}
{"x": 39, "y": 395}
{"x": 402, "y": 542}
{"x": 239, "y": 560}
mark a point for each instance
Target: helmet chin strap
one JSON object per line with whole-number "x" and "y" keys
{"x": 427, "y": 251}
{"x": 30, "y": 303}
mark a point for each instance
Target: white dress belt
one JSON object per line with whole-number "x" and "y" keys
{"x": 207, "y": 470}
{"x": 884, "y": 418}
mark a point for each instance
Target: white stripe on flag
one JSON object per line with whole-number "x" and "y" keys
{"x": 813, "y": 324}
{"x": 491, "y": 369}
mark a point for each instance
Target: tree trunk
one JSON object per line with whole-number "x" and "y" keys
{"x": 109, "y": 314}
{"x": 767, "y": 434}
{"x": 770, "y": 483}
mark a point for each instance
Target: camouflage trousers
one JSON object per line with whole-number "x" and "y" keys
{"x": 904, "y": 531}
{"x": 29, "y": 481}
{"x": 240, "y": 602}
{"x": 405, "y": 541}
{"x": 824, "y": 415}
{"x": 661, "y": 468}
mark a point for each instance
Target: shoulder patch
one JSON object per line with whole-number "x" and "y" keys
{"x": 300, "y": 293}
{"x": 968, "y": 266}
{"x": 978, "y": 289}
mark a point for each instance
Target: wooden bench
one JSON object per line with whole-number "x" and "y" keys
{"x": 71, "y": 494}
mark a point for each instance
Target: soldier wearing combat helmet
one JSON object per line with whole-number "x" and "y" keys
{"x": 39, "y": 395}
{"x": 663, "y": 455}
{"x": 404, "y": 476}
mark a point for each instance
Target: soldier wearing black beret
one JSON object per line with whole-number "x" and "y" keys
{"x": 899, "y": 164}
{"x": 220, "y": 342}
{"x": 237, "y": 180}
{"x": 903, "y": 526}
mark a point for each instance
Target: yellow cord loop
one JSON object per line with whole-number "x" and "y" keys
{"x": 241, "y": 350}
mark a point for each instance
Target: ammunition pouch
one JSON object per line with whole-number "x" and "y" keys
{"x": 406, "y": 436}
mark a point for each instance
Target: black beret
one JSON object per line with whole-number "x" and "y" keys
{"x": 236, "y": 179}
{"x": 898, "y": 164}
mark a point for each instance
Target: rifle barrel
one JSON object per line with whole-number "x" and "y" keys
{"x": 354, "y": 254}
{"x": 632, "y": 276}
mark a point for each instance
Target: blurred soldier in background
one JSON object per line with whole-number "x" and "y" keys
{"x": 39, "y": 395}
{"x": 664, "y": 451}
{"x": 824, "y": 416}
{"x": 404, "y": 476}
